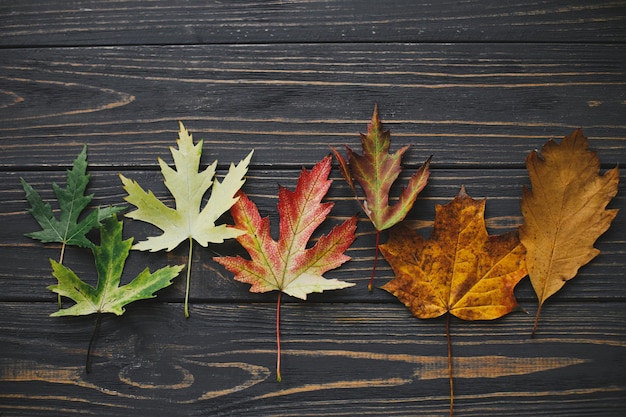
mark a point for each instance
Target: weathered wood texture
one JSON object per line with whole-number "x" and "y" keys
{"x": 476, "y": 84}
{"x": 338, "y": 359}
{"x": 124, "y": 101}
{"x": 182, "y": 22}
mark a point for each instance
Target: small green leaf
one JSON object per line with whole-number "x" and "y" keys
{"x": 72, "y": 202}
{"x": 108, "y": 296}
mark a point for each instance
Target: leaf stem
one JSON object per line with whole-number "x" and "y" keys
{"x": 188, "y": 277}
{"x": 61, "y": 263}
{"x": 62, "y": 253}
{"x": 279, "y": 378}
{"x": 94, "y": 335}
{"x": 536, "y": 320}
{"x": 371, "y": 283}
{"x": 450, "y": 364}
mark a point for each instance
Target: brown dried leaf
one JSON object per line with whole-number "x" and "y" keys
{"x": 564, "y": 213}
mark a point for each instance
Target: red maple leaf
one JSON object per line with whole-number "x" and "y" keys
{"x": 287, "y": 265}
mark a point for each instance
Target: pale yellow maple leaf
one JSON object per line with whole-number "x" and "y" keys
{"x": 188, "y": 186}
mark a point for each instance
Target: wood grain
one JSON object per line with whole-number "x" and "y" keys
{"x": 125, "y": 101}
{"x": 221, "y": 360}
{"x": 477, "y": 84}
{"x": 282, "y": 21}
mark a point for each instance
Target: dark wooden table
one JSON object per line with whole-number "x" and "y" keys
{"x": 477, "y": 84}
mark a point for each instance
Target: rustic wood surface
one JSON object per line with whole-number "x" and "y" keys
{"x": 476, "y": 84}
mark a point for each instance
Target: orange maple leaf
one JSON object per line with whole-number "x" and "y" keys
{"x": 459, "y": 270}
{"x": 564, "y": 213}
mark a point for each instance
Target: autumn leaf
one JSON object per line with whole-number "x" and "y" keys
{"x": 287, "y": 265}
{"x": 187, "y": 186}
{"x": 459, "y": 270}
{"x": 72, "y": 201}
{"x": 376, "y": 171}
{"x": 564, "y": 213}
{"x": 108, "y": 296}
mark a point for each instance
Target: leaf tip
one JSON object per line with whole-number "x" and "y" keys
{"x": 374, "y": 124}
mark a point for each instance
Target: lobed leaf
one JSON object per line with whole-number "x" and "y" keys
{"x": 288, "y": 265}
{"x": 72, "y": 201}
{"x": 376, "y": 170}
{"x": 564, "y": 213}
{"x": 108, "y": 296}
{"x": 460, "y": 269}
{"x": 188, "y": 187}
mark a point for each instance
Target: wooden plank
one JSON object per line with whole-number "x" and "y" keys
{"x": 476, "y": 84}
{"x": 27, "y": 281}
{"x": 337, "y": 360}
{"x": 162, "y": 22}
{"x": 467, "y": 104}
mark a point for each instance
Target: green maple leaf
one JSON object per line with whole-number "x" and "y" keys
{"x": 287, "y": 265}
{"x": 376, "y": 171}
{"x": 187, "y": 186}
{"x": 72, "y": 202}
{"x": 108, "y": 296}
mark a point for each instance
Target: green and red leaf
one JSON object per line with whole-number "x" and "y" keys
{"x": 376, "y": 170}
